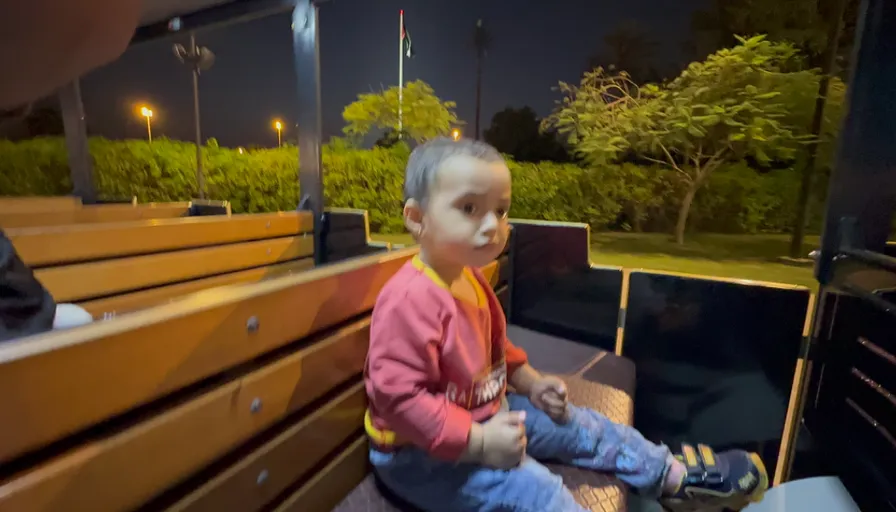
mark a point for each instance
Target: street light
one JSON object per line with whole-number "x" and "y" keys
{"x": 199, "y": 58}
{"x": 455, "y": 134}
{"x": 147, "y": 113}
{"x": 279, "y": 127}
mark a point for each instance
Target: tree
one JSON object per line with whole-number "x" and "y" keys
{"x": 637, "y": 190}
{"x": 515, "y": 131}
{"x": 725, "y": 108}
{"x": 482, "y": 40}
{"x": 45, "y": 121}
{"x": 823, "y": 31}
{"x": 629, "y": 49}
{"x": 425, "y": 116}
{"x": 803, "y": 23}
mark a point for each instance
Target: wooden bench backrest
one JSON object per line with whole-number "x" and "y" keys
{"x": 18, "y": 205}
{"x": 142, "y": 402}
{"x": 93, "y": 214}
{"x": 121, "y": 267}
{"x": 264, "y": 380}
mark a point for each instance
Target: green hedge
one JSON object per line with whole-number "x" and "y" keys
{"x": 736, "y": 200}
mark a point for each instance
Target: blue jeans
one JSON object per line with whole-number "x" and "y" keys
{"x": 588, "y": 440}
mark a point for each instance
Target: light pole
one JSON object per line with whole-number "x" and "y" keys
{"x": 455, "y": 134}
{"x": 199, "y": 59}
{"x": 147, "y": 113}
{"x": 279, "y": 127}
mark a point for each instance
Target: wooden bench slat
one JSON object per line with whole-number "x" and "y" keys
{"x": 283, "y": 460}
{"x": 73, "y": 243}
{"x": 92, "y": 214}
{"x": 130, "y": 302}
{"x": 323, "y": 492}
{"x": 172, "y": 445}
{"x": 121, "y": 363}
{"x": 32, "y": 204}
{"x": 85, "y": 280}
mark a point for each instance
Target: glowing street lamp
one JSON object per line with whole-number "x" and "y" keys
{"x": 455, "y": 134}
{"x": 279, "y": 127}
{"x": 147, "y": 113}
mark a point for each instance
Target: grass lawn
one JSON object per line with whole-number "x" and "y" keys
{"x": 734, "y": 256}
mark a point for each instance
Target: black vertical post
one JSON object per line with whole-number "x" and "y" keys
{"x": 200, "y": 176}
{"x": 863, "y": 184}
{"x": 307, "y": 57}
{"x": 76, "y": 142}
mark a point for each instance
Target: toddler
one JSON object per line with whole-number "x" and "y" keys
{"x": 445, "y": 433}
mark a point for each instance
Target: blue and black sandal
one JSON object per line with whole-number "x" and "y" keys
{"x": 717, "y": 482}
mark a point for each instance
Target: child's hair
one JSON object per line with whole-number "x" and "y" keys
{"x": 427, "y": 159}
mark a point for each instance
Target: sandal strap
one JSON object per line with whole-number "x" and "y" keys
{"x": 701, "y": 464}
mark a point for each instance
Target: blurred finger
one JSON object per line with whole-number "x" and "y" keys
{"x": 560, "y": 388}
{"x": 557, "y": 412}
{"x": 517, "y": 418}
{"x": 552, "y": 400}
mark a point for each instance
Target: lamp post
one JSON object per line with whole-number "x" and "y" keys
{"x": 147, "y": 113}
{"x": 455, "y": 134}
{"x": 279, "y": 127}
{"x": 198, "y": 58}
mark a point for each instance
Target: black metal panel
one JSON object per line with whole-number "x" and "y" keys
{"x": 715, "y": 359}
{"x": 79, "y": 160}
{"x": 234, "y": 11}
{"x": 347, "y": 221}
{"x": 121, "y": 200}
{"x": 306, "y": 47}
{"x": 347, "y": 236}
{"x": 863, "y": 184}
{"x": 504, "y": 272}
{"x": 850, "y": 407}
{"x": 554, "y": 289}
{"x": 851, "y": 411}
{"x": 503, "y": 294}
{"x": 202, "y": 207}
{"x": 890, "y": 249}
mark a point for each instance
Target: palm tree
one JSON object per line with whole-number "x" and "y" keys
{"x": 481, "y": 41}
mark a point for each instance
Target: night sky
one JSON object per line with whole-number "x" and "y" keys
{"x": 535, "y": 45}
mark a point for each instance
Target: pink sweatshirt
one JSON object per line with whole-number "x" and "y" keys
{"x": 436, "y": 363}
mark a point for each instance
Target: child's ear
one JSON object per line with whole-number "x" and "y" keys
{"x": 413, "y": 217}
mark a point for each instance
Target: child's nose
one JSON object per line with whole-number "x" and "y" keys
{"x": 489, "y": 226}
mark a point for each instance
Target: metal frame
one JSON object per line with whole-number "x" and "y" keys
{"x": 306, "y": 48}
{"x": 861, "y": 203}
{"x": 307, "y": 61}
{"x": 229, "y": 13}
{"x": 863, "y": 185}
{"x": 76, "y": 143}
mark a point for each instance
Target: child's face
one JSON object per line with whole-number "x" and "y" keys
{"x": 465, "y": 219}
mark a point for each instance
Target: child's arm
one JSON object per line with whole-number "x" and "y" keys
{"x": 403, "y": 369}
{"x": 523, "y": 379}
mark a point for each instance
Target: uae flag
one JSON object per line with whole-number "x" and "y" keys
{"x": 406, "y": 40}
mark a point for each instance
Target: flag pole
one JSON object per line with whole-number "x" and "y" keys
{"x": 400, "y": 68}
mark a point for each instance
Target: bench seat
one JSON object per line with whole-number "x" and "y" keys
{"x": 596, "y": 379}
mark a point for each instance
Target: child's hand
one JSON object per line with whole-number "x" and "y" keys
{"x": 504, "y": 440}
{"x": 549, "y": 394}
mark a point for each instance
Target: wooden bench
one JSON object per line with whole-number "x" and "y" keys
{"x": 238, "y": 398}
{"x": 89, "y": 214}
{"x": 32, "y": 204}
{"x": 115, "y": 268}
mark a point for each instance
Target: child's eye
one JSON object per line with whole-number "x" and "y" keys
{"x": 469, "y": 208}
{"x": 501, "y": 213}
